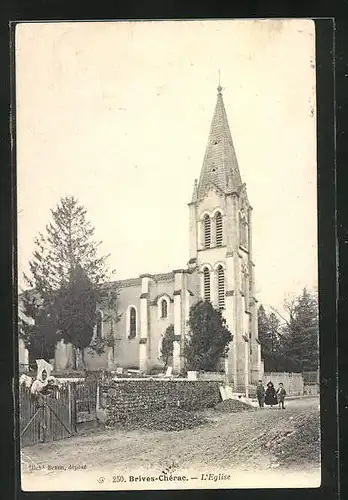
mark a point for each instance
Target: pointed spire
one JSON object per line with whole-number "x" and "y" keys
{"x": 220, "y": 165}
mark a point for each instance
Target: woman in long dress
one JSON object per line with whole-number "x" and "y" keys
{"x": 39, "y": 386}
{"x": 270, "y": 397}
{"x": 43, "y": 378}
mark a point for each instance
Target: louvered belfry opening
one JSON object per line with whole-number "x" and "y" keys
{"x": 206, "y": 276}
{"x": 218, "y": 222}
{"x": 221, "y": 287}
{"x": 207, "y": 231}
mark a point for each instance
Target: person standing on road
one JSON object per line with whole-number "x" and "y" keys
{"x": 270, "y": 398}
{"x": 281, "y": 393}
{"x": 260, "y": 394}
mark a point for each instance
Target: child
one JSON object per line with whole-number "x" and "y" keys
{"x": 281, "y": 393}
{"x": 260, "y": 393}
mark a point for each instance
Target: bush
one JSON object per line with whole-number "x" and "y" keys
{"x": 209, "y": 338}
{"x": 167, "y": 347}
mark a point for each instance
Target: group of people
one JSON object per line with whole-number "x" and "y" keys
{"x": 271, "y": 397}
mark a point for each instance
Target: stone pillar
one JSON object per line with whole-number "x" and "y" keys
{"x": 230, "y": 222}
{"x": 110, "y": 358}
{"x": 229, "y": 315}
{"x": 250, "y": 232}
{"x": 23, "y": 354}
{"x": 178, "y": 320}
{"x": 213, "y": 288}
{"x": 200, "y": 234}
{"x": 193, "y": 231}
{"x": 246, "y": 367}
{"x": 238, "y": 325}
{"x": 259, "y": 361}
{"x": 255, "y": 367}
{"x": 144, "y": 323}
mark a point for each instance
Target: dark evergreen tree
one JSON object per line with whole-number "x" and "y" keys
{"x": 263, "y": 332}
{"x": 209, "y": 338}
{"x": 68, "y": 242}
{"x": 167, "y": 344}
{"x": 269, "y": 337}
{"x": 301, "y": 332}
{"x": 41, "y": 337}
{"x": 62, "y": 256}
{"x": 77, "y": 313}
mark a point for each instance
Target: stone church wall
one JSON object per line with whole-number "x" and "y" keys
{"x": 127, "y": 350}
{"x": 194, "y": 285}
{"x": 158, "y": 325}
{"x": 158, "y": 328}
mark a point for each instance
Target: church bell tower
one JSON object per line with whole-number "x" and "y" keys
{"x": 221, "y": 249}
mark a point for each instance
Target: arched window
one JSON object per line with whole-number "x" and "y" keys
{"x": 207, "y": 231}
{"x": 218, "y": 228}
{"x": 221, "y": 287}
{"x": 164, "y": 308}
{"x": 99, "y": 324}
{"x": 206, "y": 278}
{"x": 132, "y": 322}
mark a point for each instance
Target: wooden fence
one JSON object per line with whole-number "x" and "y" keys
{"x": 311, "y": 378}
{"x": 293, "y": 382}
{"x": 45, "y": 419}
{"x": 58, "y": 415}
{"x": 311, "y": 383}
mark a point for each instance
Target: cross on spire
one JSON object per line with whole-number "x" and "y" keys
{"x": 219, "y": 89}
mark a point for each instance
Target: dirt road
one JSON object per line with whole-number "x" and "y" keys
{"x": 226, "y": 444}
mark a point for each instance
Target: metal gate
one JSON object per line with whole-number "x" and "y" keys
{"x": 84, "y": 397}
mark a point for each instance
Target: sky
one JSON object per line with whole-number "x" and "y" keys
{"x": 118, "y": 115}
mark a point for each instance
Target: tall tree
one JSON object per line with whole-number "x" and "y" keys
{"x": 263, "y": 331}
{"x": 301, "y": 332}
{"x": 209, "y": 337}
{"x": 167, "y": 344}
{"x": 65, "y": 253}
{"x": 77, "y": 313}
{"x": 40, "y": 337}
{"x": 269, "y": 337}
{"x": 68, "y": 242}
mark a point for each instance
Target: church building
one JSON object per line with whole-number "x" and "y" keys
{"x": 220, "y": 269}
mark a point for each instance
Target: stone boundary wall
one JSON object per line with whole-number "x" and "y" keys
{"x": 119, "y": 397}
